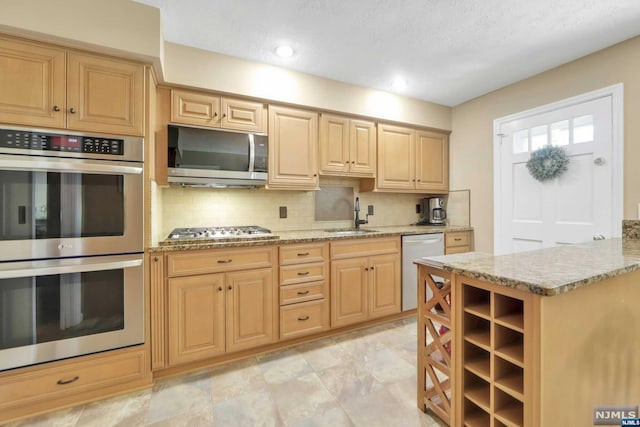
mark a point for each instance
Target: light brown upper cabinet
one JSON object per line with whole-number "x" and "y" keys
{"x": 432, "y": 161}
{"x": 52, "y": 87}
{"x": 347, "y": 147}
{"x": 411, "y": 161}
{"x": 204, "y": 109}
{"x": 293, "y": 144}
{"x": 105, "y": 95}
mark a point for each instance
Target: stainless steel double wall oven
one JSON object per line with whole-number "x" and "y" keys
{"x": 71, "y": 244}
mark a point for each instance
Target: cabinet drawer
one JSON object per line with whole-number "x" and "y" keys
{"x": 290, "y": 274}
{"x": 301, "y": 254}
{"x": 304, "y": 318}
{"x": 364, "y": 247}
{"x": 95, "y": 372}
{"x": 302, "y": 292}
{"x": 456, "y": 249}
{"x": 461, "y": 238}
{"x": 218, "y": 260}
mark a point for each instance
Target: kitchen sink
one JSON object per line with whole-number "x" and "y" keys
{"x": 348, "y": 231}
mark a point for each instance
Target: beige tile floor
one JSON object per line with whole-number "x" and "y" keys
{"x": 364, "y": 378}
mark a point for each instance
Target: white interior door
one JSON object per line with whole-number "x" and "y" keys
{"x": 572, "y": 208}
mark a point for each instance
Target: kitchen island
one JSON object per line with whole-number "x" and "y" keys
{"x": 536, "y": 338}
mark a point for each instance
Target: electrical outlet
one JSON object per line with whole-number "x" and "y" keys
{"x": 418, "y": 208}
{"x": 370, "y": 210}
{"x": 283, "y": 211}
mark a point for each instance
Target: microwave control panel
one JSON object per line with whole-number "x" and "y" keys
{"x": 27, "y": 140}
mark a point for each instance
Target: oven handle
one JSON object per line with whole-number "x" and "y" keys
{"x": 54, "y": 165}
{"x": 45, "y": 268}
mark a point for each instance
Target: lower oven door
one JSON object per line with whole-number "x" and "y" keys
{"x": 55, "y": 309}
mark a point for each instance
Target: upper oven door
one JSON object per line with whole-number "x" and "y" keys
{"x": 64, "y": 207}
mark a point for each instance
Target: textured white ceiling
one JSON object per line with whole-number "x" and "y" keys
{"x": 448, "y": 51}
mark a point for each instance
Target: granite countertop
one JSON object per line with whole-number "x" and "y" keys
{"x": 305, "y": 236}
{"x": 549, "y": 272}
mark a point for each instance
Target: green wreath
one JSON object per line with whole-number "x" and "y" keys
{"x": 547, "y": 163}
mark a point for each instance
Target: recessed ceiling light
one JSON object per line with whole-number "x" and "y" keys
{"x": 399, "y": 83}
{"x": 284, "y": 51}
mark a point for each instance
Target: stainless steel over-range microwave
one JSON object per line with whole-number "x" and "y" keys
{"x": 216, "y": 158}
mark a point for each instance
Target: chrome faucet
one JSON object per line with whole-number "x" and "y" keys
{"x": 359, "y": 221}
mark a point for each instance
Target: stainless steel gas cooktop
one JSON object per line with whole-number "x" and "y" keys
{"x": 246, "y": 232}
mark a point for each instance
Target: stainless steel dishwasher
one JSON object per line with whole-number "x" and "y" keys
{"x": 414, "y": 247}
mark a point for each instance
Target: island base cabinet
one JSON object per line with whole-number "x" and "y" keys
{"x": 524, "y": 359}
{"x": 589, "y": 350}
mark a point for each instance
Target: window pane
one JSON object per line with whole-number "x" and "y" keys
{"x": 583, "y": 129}
{"x": 538, "y": 137}
{"x": 521, "y": 141}
{"x": 560, "y": 133}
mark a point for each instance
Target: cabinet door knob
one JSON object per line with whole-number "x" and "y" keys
{"x": 366, "y": 269}
{"x": 56, "y": 108}
{"x": 156, "y": 259}
{"x": 215, "y": 114}
{"x": 219, "y": 288}
{"x": 72, "y": 110}
{"x": 72, "y": 380}
{"x": 353, "y": 162}
{"x": 372, "y": 267}
{"x": 224, "y": 115}
{"x": 303, "y": 318}
{"x": 230, "y": 287}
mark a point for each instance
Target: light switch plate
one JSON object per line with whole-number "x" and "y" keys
{"x": 283, "y": 211}
{"x": 370, "y": 210}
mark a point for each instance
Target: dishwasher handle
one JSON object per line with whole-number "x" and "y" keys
{"x": 422, "y": 242}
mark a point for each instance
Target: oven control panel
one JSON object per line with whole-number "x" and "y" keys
{"x": 10, "y": 138}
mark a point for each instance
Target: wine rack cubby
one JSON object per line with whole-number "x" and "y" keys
{"x": 493, "y": 355}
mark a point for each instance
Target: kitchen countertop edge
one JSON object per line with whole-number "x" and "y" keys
{"x": 307, "y": 236}
{"x": 619, "y": 256}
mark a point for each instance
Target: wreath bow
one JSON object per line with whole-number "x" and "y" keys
{"x": 547, "y": 163}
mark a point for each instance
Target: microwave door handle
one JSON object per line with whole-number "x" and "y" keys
{"x": 252, "y": 152}
{"x": 55, "y": 165}
{"x": 32, "y": 270}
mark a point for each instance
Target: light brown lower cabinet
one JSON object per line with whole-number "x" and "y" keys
{"x": 217, "y": 301}
{"x": 364, "y": 287}
{"x": 28, "y": 391}
{"x": 304, "y": 290}
{"x": 216, "y": 313}
{"x": 456, "y": 242}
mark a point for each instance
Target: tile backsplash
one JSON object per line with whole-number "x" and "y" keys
{"x": 200, "y": 207}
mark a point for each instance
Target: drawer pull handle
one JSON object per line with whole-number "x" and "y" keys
{"x": 302, "y": 273}
{"x": 72, "y": 380}
{"x": 303, "y": 253}
{"x": 303, "y": 318}
{"x": 457, "y": 239}
{"x": 303, "y": 292}
{"x": 224, "y": 261}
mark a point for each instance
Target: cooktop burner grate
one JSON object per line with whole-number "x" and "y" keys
{"x": 249, "y": 232}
